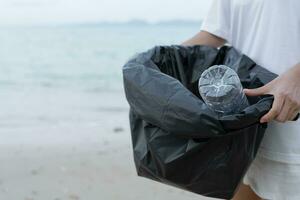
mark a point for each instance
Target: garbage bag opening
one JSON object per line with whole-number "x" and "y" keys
{"x": 184, "y": 66}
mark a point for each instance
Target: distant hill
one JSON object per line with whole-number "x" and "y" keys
{"x": 180, "y": 22}
{"x": 143, "y": 23}
{"x": 128, "y": 23}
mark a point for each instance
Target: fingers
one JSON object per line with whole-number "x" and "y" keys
{"x": 275, "y": 110}
{"x": 293, "y": 115}
{"x": 256, "y": 92}
{"x": 285, "y": 112}
{"x": 294, "y": 111}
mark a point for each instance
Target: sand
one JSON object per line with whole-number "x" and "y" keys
{"x": 81, "y": 161}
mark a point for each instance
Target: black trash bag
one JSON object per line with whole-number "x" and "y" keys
{"x": 177, "y": 139}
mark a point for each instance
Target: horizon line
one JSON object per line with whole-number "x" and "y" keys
{"x": 107, "y": 23}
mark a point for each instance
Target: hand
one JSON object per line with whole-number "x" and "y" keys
{"x": 286, "y": 92}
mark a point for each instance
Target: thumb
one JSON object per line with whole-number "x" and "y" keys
{"x": 256, "y": 92}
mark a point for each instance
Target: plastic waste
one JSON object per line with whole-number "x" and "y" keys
{"x": 221, "y": 89}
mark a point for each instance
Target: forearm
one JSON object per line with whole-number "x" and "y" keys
{"x": 205, "y": 38}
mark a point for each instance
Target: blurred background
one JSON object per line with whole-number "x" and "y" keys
{"x": 64, "y": 118}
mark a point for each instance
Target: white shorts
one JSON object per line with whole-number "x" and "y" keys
{"x": 273, "y": 180}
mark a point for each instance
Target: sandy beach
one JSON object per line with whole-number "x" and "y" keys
{"x": 84, "y": 161}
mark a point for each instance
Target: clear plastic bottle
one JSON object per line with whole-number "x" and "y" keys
{"x": 221, "y": 89}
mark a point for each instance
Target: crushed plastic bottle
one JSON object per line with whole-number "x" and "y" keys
{"x": 221, "y": 89}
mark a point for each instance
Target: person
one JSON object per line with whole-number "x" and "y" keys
{"x": 268, "y": 31}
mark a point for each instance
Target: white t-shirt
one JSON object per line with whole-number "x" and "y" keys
{"x": 268, "y": 31}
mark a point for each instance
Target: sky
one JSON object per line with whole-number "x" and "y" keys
{"x": 31, "y": 12}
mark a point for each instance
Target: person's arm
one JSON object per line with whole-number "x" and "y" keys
{"x": 286, "y": 91}
{"x": 205, "y": 38}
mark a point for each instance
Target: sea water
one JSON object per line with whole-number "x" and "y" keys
{"x": 58, "y": 75}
